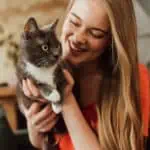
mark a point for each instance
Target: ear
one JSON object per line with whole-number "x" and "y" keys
{"x": 54, "y": 24}
{"x": 31, "y": 26}
{"x": 51, "y": 27}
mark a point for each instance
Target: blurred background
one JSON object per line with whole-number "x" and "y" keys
{"x": 14, "y": 13}
{"x": 13, "y": 16}
{"x": 142, "y": 9}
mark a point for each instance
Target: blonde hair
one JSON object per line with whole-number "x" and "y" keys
{"x": 119, "y": 112}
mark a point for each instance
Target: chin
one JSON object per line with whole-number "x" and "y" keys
{"x": 76, "y": 62}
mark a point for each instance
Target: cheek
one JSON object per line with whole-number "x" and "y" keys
{"x": 66, "y": 30}
{"x": 98, "y": 45}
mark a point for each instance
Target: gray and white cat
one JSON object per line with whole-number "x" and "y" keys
{"x": 40, "y": 60}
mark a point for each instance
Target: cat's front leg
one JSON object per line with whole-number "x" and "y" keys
{"x": 57, "y": 107}
{"x": 49, "y": 93}
{"x": 54, "y": 96}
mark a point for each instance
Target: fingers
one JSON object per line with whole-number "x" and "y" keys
{"x": 29, "y": 88}
{"x": 68, "y": 77}
{"x": 42, "y": 115}
{"x": 26, "y": 89}
{"x": 42, "y": 120}
{"x": 34, "y": 109}
{"x": 70, "y": 80}
{"x": 47, "y": 124}
{"x": 42, "y": 100}
{"x": 32, "y": 88}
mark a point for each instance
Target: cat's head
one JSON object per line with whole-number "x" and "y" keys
{"x": 40, "y": 46}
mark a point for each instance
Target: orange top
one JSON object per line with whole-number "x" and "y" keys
{"x": 145, "y": 96}
{"x": 90, "y": 111}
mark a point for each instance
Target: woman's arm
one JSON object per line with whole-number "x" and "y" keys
{"x": 81, "y": 134}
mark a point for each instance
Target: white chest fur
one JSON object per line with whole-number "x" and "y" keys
{"x": 44, "y": 75}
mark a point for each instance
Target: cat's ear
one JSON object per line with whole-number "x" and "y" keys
{"x": 51, "y": 27}
{"x": 54, "y": 24}
{"x": 31, "y": 26}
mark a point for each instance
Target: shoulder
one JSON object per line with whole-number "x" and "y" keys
{"x": 144, "y": 80}
{"x": 143, "y": 70}
{"x": 144, "y": 83}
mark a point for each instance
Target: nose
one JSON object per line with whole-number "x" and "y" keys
{"x": 79, "y": 38}
{"x": 57, "y": 52}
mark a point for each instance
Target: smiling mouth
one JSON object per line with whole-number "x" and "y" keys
{"x": 76, "y": 51}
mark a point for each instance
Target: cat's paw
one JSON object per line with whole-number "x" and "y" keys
{"x": 57, "y": 108}
{"x": 54, "y": 96}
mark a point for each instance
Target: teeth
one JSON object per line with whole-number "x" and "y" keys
{"x": 75, "y": 49}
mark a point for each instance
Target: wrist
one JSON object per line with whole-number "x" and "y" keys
{"x": 34, "y": 136}
{"x": 69, "y": 102}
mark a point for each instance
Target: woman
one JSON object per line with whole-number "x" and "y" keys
{"x": 101, "y": 38}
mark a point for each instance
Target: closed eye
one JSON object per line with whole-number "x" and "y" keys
{"x": 74, "y": 23}
{"x": 97, "y": 35}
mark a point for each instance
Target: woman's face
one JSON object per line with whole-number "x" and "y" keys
{"x": 85, "y": 31}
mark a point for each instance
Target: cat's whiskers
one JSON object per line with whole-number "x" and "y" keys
{"x": 40, "y": 61}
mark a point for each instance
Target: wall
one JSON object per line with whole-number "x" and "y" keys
{"x": 14, "y": 14}
{"x": 143, "y": 22}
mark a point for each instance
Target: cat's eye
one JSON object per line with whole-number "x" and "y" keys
{"x": 45, "y": 48}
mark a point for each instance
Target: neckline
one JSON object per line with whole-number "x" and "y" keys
{"x": 88, "y": 105}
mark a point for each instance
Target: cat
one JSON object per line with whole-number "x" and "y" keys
{"x": 41, "y": 60}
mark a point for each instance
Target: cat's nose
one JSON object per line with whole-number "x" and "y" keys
{"x": 57, "y": 53}
{"x": 56, "y": 56}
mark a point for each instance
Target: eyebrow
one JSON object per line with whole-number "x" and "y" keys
{"x": 94, "y": 28}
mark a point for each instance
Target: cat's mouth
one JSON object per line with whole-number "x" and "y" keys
{"x": 47, "y": 63}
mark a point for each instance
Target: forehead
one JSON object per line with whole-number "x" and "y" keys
{"x": 92, "y": 12}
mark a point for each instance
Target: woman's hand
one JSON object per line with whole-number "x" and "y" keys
{"x": 31, "y": 91}
{"x": 70, "y": 84}
{"x": 42, "y": 119}
{"x": 39, "y": 120}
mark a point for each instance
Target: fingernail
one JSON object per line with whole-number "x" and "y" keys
{"x": 29, "y": 82}
{"x": 35, "y": 92}
{"x": 26, "y": 92}
{"x": 42, "y": 100}
{"x": 64, "y": 70}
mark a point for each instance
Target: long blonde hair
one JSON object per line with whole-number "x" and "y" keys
{"x": 119, "y": 113}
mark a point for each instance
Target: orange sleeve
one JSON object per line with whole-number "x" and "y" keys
{"x": 145, "y": 96}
